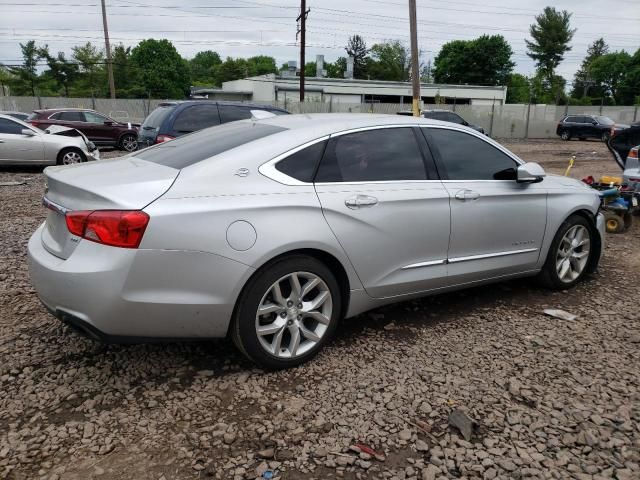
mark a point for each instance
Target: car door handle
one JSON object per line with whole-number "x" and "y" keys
{"x": 359, "y": 201}
{"x": 467, "y": 195}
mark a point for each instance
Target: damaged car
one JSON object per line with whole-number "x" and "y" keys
{"x": 24, "y": 144}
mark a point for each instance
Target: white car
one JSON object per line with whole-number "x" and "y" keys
{"x": 24, "y": 144}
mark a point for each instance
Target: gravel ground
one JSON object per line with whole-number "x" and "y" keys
{"x": 551, "y": 398}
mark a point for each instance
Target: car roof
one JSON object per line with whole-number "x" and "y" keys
{"x": 438, "y": 110}
{"x": 219, "y": 102}
{"x": 61, "y": 109}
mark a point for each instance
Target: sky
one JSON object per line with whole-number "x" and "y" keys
{"x": 244, "y": 28}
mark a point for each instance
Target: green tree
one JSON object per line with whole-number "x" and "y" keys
{"x": 483, "y": 61}
{"x": 518, "y": 88}
{"x": 92, "y": 67}
{"x": 357, "y": 48}
{"x": 232, "y": 69}
{"x": 203, "y": 67}
{"x": 582, "y": 81}
{"x": 126, "y": 75}
{"x": 629, "y": 89}
{"x": 610, "y": 71}
{"x": 310, "y": 69}
{"x": 163, "y": 72}
{"x": 6, "y": 78}
{"x": 337, "y": 68}
{"x": 550, "y": 38}
{"x": 389, "y": 61}
{"x": 261, "y": 65}
{"x": 26, "y": 76}
{"x": 64, "y": 72}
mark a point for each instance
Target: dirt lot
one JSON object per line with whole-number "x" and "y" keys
{"x": 553, "y": 398}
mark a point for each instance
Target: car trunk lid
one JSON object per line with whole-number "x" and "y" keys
{"x": 123, "y": 184}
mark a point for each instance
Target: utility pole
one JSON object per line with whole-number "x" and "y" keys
{"x": 415, "y": 69}
{"x": 112, "y": 86}
{"x": 302, "y": 18}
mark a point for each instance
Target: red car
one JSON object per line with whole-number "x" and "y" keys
{"x": 100, "y": 129}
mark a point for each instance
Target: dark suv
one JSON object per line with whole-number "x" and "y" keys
{"x": 173, "y": 119}
{"x": 587, "y": 126}
{"x": 99, "y": 128}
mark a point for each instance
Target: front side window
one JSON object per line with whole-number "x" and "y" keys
{"x": 72, "y": 116}
{"x": 605, "y": 121}
{"x": 302, "y": 164}
{"x": 466, "y": 157}
{"x": 94, "y": 117}
{"x": 197, "y": 117}
{"x": 387, "y": 154}
{"x": 9, "y": 127}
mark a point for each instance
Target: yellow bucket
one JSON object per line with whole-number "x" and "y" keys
{"x": 610, "y": 179}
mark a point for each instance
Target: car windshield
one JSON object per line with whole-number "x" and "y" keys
{"x": 155, "y": 118}
{"x": 206, "y": 143}
{"x": 605, "y": 121}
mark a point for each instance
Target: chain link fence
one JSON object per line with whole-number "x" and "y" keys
{"x": 500, "y": 121}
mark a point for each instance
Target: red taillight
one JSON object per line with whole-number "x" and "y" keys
{"x": 633, "y": 153}
{"x": 117, "y": 228}
{"x": 164, "y": 138}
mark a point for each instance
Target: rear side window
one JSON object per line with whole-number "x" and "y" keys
{"x": 231, "y": 113}
{"x": 154, "y": 119}
{"x": 385, "y": 154}
{"x": 71, "y": 116}
{"x": 573, "y": 119}
{"x": 198, "y": 146}
{"x": 94, "y": 117}
{"x": 302, "y": 164}
{"x": 466, "y": 157}
{"x": 9, "y": 127}
{"x": 196, "y": 117}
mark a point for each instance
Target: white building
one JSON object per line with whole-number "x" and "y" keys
{"x": 273, "y": 88}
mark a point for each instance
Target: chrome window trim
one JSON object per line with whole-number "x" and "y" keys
{"x": 490, "y": 255}
{"x": 430, "y": 263}
{"x": 269, "y": 170}
{"x": 484, "y": 138}
{"x": 374, "y": 127}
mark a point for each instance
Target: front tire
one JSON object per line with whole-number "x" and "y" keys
{"x": 569, "y": 254}
{"x": 604, "y": 137}
{"x": 565, "y": 135}
{"x": 287, "y": 312}
{"x": 71, "y": 156}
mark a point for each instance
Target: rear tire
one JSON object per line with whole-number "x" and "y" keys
{"x": 614, "y": 223}
{"x": 128, "y": 142}
{"x": 71, "y": 156}
{"x": 569, "y": 254}
{"x": 565, "y": 135}
{"x": 292, "y": 329}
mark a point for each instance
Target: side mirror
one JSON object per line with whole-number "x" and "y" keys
{"x": 28, "y": 132}
{"x": 530, "y": 173}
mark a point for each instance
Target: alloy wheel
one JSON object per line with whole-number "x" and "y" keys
{"x": 293, "y": 315}
{"x": 129, "y": 143}
{"x": 573, "y": 253}
{"x": 71, "y": 157}
{"x": 565, "y": 135}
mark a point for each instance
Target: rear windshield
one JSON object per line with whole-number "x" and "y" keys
{"x": 32, "y": 116}
{"x": 198, "y": 146}
{"x": 605, "y": 121}
{"x": 155, "y": 118}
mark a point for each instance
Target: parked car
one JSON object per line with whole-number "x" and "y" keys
{"x": 18, "y": 115}
{"x": 22, "y": 144}
{"x": 622, "y": 141}
{"x": 444, "y": 116}
{"x": 99, "y": 128}
{"x": 587, "y": 126}
{"x": 273, "y": 230}
{"x": 174, "y": 119}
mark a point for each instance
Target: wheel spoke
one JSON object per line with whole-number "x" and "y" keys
{"x": 265, "y": 309}
{"x": 318, "y": 301}
{"x": 277, "y": 294}
{"x": 277, "y": 342}
{"x": 580, "y": 255}
{"x": 296, "y": 289}
{"x": 270, "y": 329}
{"x": 564, "y": 269}
{"x": 294, "y": 342}
{"x": 310, "y": 285}
{"x": 308, "y": 334}
{"x": 319, "y": 317}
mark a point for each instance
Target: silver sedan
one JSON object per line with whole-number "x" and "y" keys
{"x": 270, "y": 231}
{"x": 24, "y": 144}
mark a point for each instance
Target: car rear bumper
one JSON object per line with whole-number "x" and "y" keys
{"x": 118, "y": 294}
